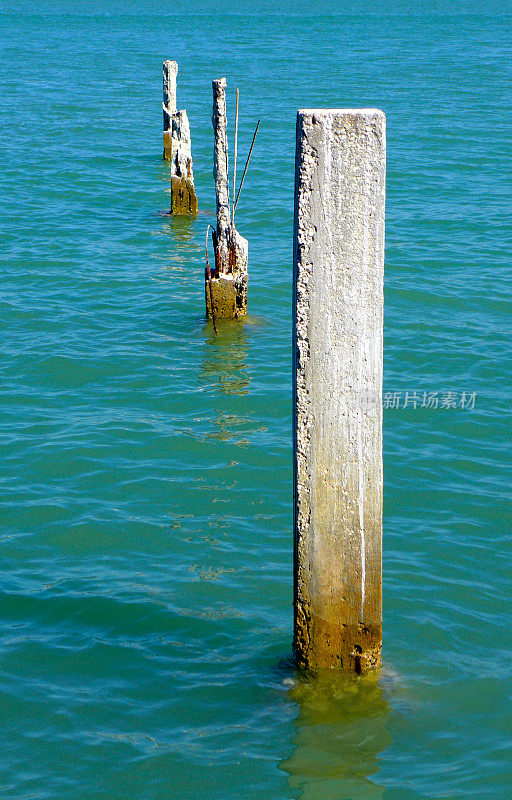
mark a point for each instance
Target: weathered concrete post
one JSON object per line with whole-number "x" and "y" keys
{"x": 177, "y": 146}
{"x": 170, "y": 71}
{"x": 338, "y": 289}
{"x": 229, "y": 283}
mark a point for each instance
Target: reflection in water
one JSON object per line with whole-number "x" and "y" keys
{"x": 224, "y": 369}
{"x": 180, "y": 230}
{"x": 225, "y": 354}
{"x": 227, "y": 426}
{"x": 340, "y": 731}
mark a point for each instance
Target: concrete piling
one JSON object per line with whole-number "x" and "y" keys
{"x": 177, "y": 146}
{"x": 337, "y": 376}
{"x": 228, "y": 285}
{"x": 170, "y": 71}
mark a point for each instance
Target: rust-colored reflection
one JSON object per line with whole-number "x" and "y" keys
{"x": 224, "y": 364}
{"x": 180, "y": 229}
{"x": 224, "y": 369}
{"x": 178, "y": 246}
{"x": 340, "y": 732}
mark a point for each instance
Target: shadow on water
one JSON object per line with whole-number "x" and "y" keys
{"x": 340, "y": 731}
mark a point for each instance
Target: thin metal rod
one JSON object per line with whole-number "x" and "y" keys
{"x": 246, "y": 165}
{"x": 209, "y": 276}
{"x": 235, "y": 154}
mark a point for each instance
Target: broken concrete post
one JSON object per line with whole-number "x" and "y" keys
{"x": 229, "y": 282}
{"x": 220, "y": 169}
{"x": 170, "y": 71}
{"x": 177, "y": 146}
{"x": 338, "y": 307}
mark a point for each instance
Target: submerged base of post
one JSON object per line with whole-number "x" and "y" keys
{"x": 356, "y": 648}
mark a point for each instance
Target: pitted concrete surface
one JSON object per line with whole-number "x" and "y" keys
{"x": 338, "y": 286}
{"x": 229, "y": 287}
{"x": 177, "y": 146}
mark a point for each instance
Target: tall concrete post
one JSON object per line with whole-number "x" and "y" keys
{"x": 221, "y": 170}
{"x": 177, "y": 146}
{"x": 230, "y": 280}
{"x": 338, "y": 304}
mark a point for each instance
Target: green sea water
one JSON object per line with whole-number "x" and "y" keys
{"x": 146, "y": 465}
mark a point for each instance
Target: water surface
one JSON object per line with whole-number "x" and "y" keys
{"x": 145, "y": 468}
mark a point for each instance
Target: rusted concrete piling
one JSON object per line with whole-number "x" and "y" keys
{"x": 338, "y": 306}
{"x": 230, "y": 279}
{"x": 177, "y": 146}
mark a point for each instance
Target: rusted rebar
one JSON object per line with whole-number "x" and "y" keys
{"x": 209, "y": 278}
{"x": 246, "y": 165}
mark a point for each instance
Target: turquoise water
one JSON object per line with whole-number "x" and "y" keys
{"x": 145, "y": 467}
